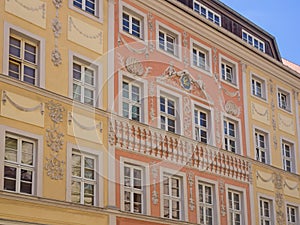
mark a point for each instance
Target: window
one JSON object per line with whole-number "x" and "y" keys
{"x": 88, "y": 6}
{"x": 19, "y": 164}
{"x": 168, "y": 41}
{"x": 167, "y": 114}
{"x": 171, "y": 197}
{"x": 23, "y": 59}
{"x": 230, "y": 135}
{"x": 207, "y": 13}
{"x": 250, "y": 39}
{"x": 235, "y": 207}
{"x": 83, "y": 184}
{"x": 132, "y": 24}
{"x": 227, "y": 72}
{"x": 258, "y": 88}
{"x": 133, "y": 189}
{"x": 201, "y": 125}
{"x": 261, "y": 149}
{"x": 284, "y": 100}
{"x": 206, "y": 203}
{"x": 287, "y": 156}
{"x": 292, "y": 214}
{"x": 84, "y": 82}
{"x": 131, "y": 104}
{"x": 265, "y": 211}
{"x": 200, "y": 57}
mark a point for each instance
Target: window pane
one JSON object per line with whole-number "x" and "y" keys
{"x": 89, "y": 76}
{"x": 14, "y": 47}
{"x": 135, "y": 113}
{"x": 125, "y": 109}
{"x": 125, "y": 22}
{"x": 11, "y": 149}
{"x": 88, "y": 194}
{"x": 29, "y": 75}
{"x": 76, "y": 92}
{"x": 30, "y": 53}
{"x": 76, "y": 165}
{"x": 88, "y": 96}
{"x": 14, "y": 69}
{"x": 75, "y": 192}
{"x": 125, "y": 90}
{"x": 76, "y": 71}
{"x": 10, "y": 174}
{"x": 27, "y": 153}
{"x": 171, "y": 107}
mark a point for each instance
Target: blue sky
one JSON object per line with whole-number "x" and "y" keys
{"x": 279, "y": 18}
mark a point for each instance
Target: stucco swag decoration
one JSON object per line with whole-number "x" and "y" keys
{"x": 55, "y": 141}
{"x": 56, "y": 28}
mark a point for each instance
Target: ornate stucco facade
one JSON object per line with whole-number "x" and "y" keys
{"x": 145, "y": 112}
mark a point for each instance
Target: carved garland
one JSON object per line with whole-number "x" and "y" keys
{"x": 6, "y": 98}
{"x": 71, "y": 119}
{"x": 56, "y": 28}
{"x": 42, "y": 7}
{"x": 263, "y": 114}
{"x": 154, "y": 171}
{"x": 130, "y": 48}
{"x": 285, "y": 123}
{"x": 55, "y": 141}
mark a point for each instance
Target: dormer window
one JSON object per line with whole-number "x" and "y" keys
{"x": 207, "y": 13}
{"x": 250, "y": 39}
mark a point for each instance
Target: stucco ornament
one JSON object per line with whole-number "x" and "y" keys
{"x": 54, "y": 139}
{"x": 278, "y": 181}
{"x": 55, "y": 112}
{"x": 56, "y": 57}
{"x": 56, "y": 27}
{"x": 134, "y": 66}
{"x": 232, "y": 108}
{"x": 154, "y": 171}
{"x": 57, "y": 3}
{"x": 191, "y": 184}
{"x": 54, "y": 168}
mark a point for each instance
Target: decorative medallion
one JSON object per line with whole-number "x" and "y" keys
{"x": 186, "y": 82}
{"x": 134, "y": 66}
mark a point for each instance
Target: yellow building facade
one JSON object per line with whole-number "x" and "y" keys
{"x": 52, "y": 121}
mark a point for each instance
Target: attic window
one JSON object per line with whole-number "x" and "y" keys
{"x": 250, "y": 39}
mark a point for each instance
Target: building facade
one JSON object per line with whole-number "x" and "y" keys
{"x": 145, "y": 112}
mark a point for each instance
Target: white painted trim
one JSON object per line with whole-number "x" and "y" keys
{"x": 215, "y": 185}
{"x": 178, "y": 44}
{"x": 211, "y": 122}
{"x": 99, "y": 17}
{"x": 112, "y": 219}
{"x": 272, "y": 205}
{"x": 244, "y": 200}
{"x": 41, "y": 71}
{"x": 297, "y": 210}
{"x": 204, "y": 48}
{"x": 99, "y": 171}
{"x": 142, "y": 83}
{"x": 235, "y": 69}
{"x": 98, "y": 78}
{"x": 39, "y": 159}
{"x": 178, "y": 108}
{"x": 137, "y": 13}
{"x": 146, "y": 183}
{"x": 184, "y": 199}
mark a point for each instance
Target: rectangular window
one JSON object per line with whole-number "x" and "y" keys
{"x": 291, "y": 213}
{"x": 19, "y": 164}
{"x": 261, "y": 149}
{"x": 207, "y": 13}
{"x": 265, "y": 211}
{"x": 83, "y": 185}
{"x": 133, "y": 188}
{"x": 132, "y": 24}
{"x": 206, "y": 203}
{"x": 88, "y": 6}
{"x": 235, "y": 207}
{"x": 201, "y": 125}
{"x": 284, "y": 100}
{"x": 255, "y": 42}
{"x": 84, "y": 83}
{"x": 227, "y": 72}
{"x": 167, "y": 114}
{"x": 23, "y": 59}
{"x": 200, "y": 58}
{"x": 230, "y": 135}
{"x": 287, "y": 156}
{"x": 167, "y": 42}
{"x": 131, "y": 106}
{"x": 258, "y": 87}
{"x": 172, "y": 197}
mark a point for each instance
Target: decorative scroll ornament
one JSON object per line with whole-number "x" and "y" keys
{"x": 56, "y": 57}
{"x": 222, "y": 191}
{"x": 89, "y": 36}
{"x": 154, "y": 171}
{"x": 6, "y": 98}
{"x": 263, "y": 114}
{"x": 290, "y": 187}
{"x": 57, "y": 3}
{"x": 55, "y": 112}
{"x": 54, "y": 168}
{"x": 151, "y": 29}
{"x": 135, "y": 67}
{"x": 191, "y": 184}
{"x": 54, "y": 139}
{"x": 111, "y": 134}
{"x": 132, "y": 49}
{"x": 284, "y": 123}
{"x": 280, "y": 217}
{"x": 71, "y": 119}
{"x": 258, "y": 175}
{"x": 278, "y": 181}
{"x": 231, "y": 94}
{"x": 151, "y": 93}
{"x": 232, "y": 108}
{"x": 56, "y": 27}
{"x": 42, "y": 7}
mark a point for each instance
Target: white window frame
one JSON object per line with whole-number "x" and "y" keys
{"x": 266, "y": 149}
{"x": 38, "y": 167}
{"x": 160, "y": 27}
{"x": 98, "y": 77}
{"x": 133, "y": 12}
{"x": 208, "y": 59}
{"x": 98, "y": 15}
{"x": 207, "y": 10}
{"x": 271, "y": 204}
{"x": 10, "y": 29}
{"x": 234, "y": 66}
{"x": 243, "y": 203}
{"x": 145, "y": 182}
{"x": 258, "y": 80}
{"x": 246, "y": 36}
{"x": 142, "y": 83}
{"x": 215, "y": 198}
{"x": 288, "y": 214}
{"x": 287, "y": 106}
{"x": 183, "y": 192}
{"x": 236, "y": 138}
{"x": 291, "y": 158}
{"x": 99, "y": 171}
